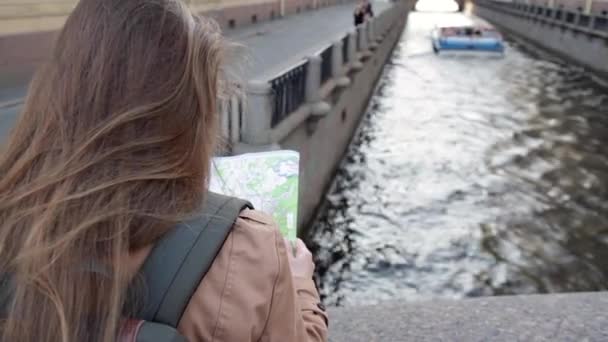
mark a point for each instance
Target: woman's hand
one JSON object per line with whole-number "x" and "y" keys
{"x": 300, "y": 260}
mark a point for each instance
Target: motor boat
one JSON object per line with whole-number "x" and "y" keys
{"x": 467, "y": 39}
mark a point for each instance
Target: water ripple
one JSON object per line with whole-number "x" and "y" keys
{"x": 469, "y": 177}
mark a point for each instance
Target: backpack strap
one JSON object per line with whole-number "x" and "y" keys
{"x": 142, "y": 331}
{"x": 180, "y": 260}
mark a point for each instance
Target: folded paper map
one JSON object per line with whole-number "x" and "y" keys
{"x": 269, "y": 180}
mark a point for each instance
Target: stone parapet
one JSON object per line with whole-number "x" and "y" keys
{"x": 555, "y": 317}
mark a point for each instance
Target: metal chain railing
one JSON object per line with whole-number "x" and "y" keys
{"x": 326, "y": 62}
{"x": 601, "y": 24}
{"x": 288, "y": 92}
{"x": 570, "y": 16}
{"x": 584, "y": 20}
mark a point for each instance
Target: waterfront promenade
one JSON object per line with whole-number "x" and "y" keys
{"x": 262, "y": 50}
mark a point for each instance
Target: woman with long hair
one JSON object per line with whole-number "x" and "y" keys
{"x": 110, "y": 152}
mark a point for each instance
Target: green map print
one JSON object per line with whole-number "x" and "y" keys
{"x": 269, "y": 180}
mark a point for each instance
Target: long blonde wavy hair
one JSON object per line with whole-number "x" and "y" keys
{"x": 111, "y": 149}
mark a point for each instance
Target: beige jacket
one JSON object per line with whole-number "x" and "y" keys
{"x": 249, "y": 293}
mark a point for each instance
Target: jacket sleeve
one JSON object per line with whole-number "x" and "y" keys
{"x": 296, "y": 313}
{"x": 249, "y": 294}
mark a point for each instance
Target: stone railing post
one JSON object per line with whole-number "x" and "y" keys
{"x": 337, "y": 65}
{"x": 378, "y": 27}
{"x": 577, "y": 19}
{"x": 313, "y": 79}
{"x": 257, "y": 123}
{"x": 313, "y": 88}
{"x": 363, "y": 42}
{"x": 353, "y": 58}
{"x": 383, "y": 24}
{"x": 235, "y": 119}
{"x": 371, "y": 35}
{"x": 224, "y": 120}
{"x": 362, "y": 37}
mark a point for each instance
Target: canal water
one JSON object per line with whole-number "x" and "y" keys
{"x": 469, "y": 177}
